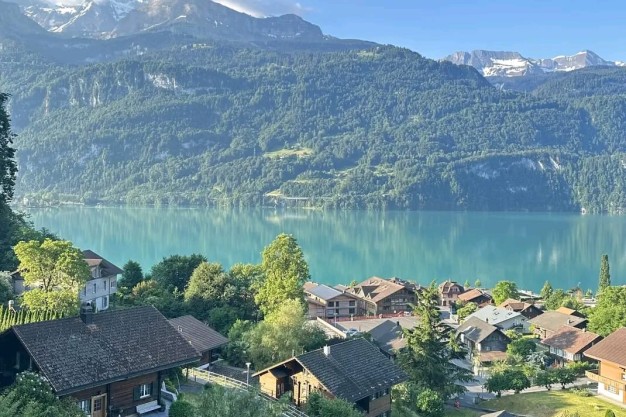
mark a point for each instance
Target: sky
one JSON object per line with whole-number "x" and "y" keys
{"x": 436, "y": 28}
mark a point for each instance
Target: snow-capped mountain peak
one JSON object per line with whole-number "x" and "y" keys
{"x": 513, "y": 64}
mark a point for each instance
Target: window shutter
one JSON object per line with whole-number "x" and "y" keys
{"x": 136, "y": 393}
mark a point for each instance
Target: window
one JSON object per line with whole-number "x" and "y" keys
{"x": 352, "y": 311}
{"x": 95, "y": 287}
{"x": 105, "y": 285}
{"x": 113, "y": 283}
{"x": 352, "y": 303}
{"x": 611, "y": 389}
{"x": 624, "y": 376}
{"x": 97, "y": 404}
{"x": 85, "y": 406}
{"x": 331, "y": 304}
{"x": 105, "y": 302}
{"x": 142, "y": 391}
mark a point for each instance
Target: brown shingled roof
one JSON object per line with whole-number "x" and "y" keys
{"x": 553, "y": 320}
{"x": 93, "y": 259}
{"x": 571, "y": 339}
{"x": 377, "y": 288}
{"x": 611, "y": 349}
{"x": 473, "y": 294}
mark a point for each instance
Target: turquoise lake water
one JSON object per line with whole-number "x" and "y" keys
{"x": 341, "y": 246}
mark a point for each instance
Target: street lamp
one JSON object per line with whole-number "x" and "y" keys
{"x": 248, "y": 373}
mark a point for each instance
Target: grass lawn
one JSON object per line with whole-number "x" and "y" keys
{"x": 462, "y": 413}
{"x": 550, "y": 404}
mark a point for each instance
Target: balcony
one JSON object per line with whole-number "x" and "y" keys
{"x": 594, "y": 376}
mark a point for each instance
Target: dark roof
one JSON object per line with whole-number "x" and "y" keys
{"x": 571, "y": 339}
{"x": 476, "y": 330}
{"x": 107, "y": 268}
{"x": 324, "y": 292}
{"x": 388, "y": 336}
{"x": 553, "y": 320}
{"x": 199, "y": 335}
{"x": 610, "y": 349}
{"x": 119, "y": 344}
{"x": 353, "y": 370}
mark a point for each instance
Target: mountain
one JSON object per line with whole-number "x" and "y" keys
{"x": 171, "y": 108}
{"x": 513, "y": 64}
{"x": 103, "y": 19}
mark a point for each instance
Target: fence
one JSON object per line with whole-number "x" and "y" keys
{"x": 203, "y": 376}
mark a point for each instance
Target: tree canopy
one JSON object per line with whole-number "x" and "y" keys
{"x": 285, "y": 271}
{"x": 610, "y": 311}
{"x": 175, "y": 271}
{"x": 604, "y": 280}
{"x": 504, "y": 290}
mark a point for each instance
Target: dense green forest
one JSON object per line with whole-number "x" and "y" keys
{"x": 381, "y": 127}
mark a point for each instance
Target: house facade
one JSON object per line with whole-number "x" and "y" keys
{"x": 327, "y": 302}
{"x": 355, "y": 371}
{"x": 103, "y": 283}
{"x": 449, "y": 292}
{"x": 611, "y": 374}
{"x": 386, "y": 296}
{"x": 569, "y": 343}
{"x": 111, "y": 363}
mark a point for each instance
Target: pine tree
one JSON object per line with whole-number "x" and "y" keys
{"x": 605, "y": 275}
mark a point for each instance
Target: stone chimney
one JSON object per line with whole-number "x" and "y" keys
{"x": 86, "y": 313}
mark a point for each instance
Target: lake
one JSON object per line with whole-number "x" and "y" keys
{"x": 341, "y": 246}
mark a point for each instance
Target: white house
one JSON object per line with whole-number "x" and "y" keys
{"x": 502, "y": 318}
{"x": 103, "y": 282}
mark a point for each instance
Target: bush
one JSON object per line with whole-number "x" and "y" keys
{"x": 581, "y": 392}
{"x": 182, "y": 408}
{"x": 609, "y": 413}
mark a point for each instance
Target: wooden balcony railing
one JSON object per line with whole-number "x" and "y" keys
{"x": 594, "y": 376}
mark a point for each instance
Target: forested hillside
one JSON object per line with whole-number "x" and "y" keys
{"x": 375, "y": 127}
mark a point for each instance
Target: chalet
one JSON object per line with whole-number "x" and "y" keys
{"x": 386, "y": 296}
{"x": 477, "y": 296}
{"x": 449, "y": 292}
{"x": 611, "y": 375}
{"x": 569, "y": 312}
{"x": 480, "y": 336}
{"x": 568, "y": 343}
{"x": 111, "y": 363}
{"x": 485, "y": 343}
{"x": 528, "y": 310}
{"x": 327, "y": 302}
{"x": 550, "y": 322}
{"x": 355, "y": 371}
{"x": 204, "y": 339}
{"x": 103, "y": 282}
{"x": 502, "y": 318}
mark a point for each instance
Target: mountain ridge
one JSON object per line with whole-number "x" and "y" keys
{"x": 514, "y": 64}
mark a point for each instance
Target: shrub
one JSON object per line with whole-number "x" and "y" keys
{"x": 609, "y": 413}
{"x": 182, "y": 408}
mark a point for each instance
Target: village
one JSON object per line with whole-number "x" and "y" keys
{"x": 115, "y": 358}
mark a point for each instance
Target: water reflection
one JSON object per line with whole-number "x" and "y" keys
{"x": 344, "y": 245}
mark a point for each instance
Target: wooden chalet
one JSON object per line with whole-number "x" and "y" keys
{"x": 355, "y": 371}
{"x": 204, "y": 339}
{"x": 611, "y": 375}
{"x": 386, "y": 296}
{"x": 112, "y": 363}
{"x": 485, "y": 343}
{"x": 528, "y": 310}
{"x": 568, "y": 344}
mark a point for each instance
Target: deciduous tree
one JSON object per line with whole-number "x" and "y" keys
{"x": 285, "y": 271}
{"x": 504, "y": 290}
{"x": 175, "y": 271}
{"x": 319, "y": 405}
{"x": 610, "y": 312}
{"x": 508, "y": 379}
